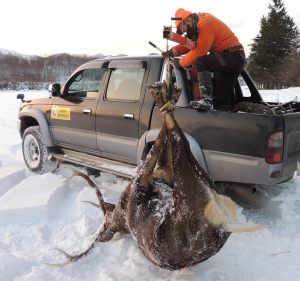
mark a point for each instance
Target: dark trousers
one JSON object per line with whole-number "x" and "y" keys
{"x": 226, "y": 66}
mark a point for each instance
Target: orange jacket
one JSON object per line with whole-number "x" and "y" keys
{"x": 214, "y": 35}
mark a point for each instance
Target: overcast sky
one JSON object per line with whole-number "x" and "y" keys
{"x": 113, "y": 27}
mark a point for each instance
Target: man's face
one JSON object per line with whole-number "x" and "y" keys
{"x": 183, "y": 26}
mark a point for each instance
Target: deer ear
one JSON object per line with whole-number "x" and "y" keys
{"x": 108, "y": 207}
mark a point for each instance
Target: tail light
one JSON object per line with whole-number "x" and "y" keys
{"x": 274, "y": 148}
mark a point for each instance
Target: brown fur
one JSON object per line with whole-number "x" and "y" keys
{"x": 170, "y": 208}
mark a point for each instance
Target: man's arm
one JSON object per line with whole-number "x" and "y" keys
{"x": 179, "y": 50}
{"x": 203, "y": 45}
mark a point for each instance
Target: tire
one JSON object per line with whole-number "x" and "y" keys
{"x": 248, "y": 196}
{"x": 251, "y": 107}
{"x": 35, "y": 152}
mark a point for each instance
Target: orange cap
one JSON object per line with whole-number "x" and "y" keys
{"x": 181, "y": 13}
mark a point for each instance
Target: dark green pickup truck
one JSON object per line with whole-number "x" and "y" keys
{"x": 105, "y": 118}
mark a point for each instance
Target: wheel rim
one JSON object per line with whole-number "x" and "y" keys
{"x": 32, "y": 153}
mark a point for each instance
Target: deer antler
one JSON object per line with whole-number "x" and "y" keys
{"x": 104, "y": 206}
{"x": 104, "y": 233}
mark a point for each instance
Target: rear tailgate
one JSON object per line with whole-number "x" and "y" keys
{"x": 291, "y": 158}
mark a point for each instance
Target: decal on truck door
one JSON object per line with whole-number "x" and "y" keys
{"x": 60, "y": 113}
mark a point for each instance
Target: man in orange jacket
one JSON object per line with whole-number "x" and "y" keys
{"x": 217, "y": 50}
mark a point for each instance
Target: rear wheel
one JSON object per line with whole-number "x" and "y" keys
{"x": 248, "y": 196}
{"x": 35, "y": 152}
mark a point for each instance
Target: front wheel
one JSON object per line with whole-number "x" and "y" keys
{"x": 35, "y": 152}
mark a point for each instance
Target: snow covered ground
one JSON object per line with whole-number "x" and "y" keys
{"x": 40, "y": 213}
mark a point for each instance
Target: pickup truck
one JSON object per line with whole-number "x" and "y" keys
{"x": 105, "y": 118}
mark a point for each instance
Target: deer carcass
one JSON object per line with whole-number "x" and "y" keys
{"x": 170, "y": 208}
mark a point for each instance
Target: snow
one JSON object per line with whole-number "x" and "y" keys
{"x": 39, "y": 213}
{"x": 284, "y": 95}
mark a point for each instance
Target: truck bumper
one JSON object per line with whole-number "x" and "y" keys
{"x": 19, "y": 127}
{"x": 229, "y": 167}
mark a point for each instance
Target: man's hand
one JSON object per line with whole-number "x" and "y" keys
{"x": 176, "y": 62}
{"x": 168, "y": 54}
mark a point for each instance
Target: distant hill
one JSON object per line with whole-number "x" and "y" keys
{"x": 22, "y": 71}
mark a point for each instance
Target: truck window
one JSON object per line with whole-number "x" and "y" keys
{"x": 244, "y": 87}
{"x": 85, "y": 83}
{"x": 125, "y": 84}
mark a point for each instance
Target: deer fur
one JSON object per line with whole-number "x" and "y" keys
{"x": 170, "y": 208}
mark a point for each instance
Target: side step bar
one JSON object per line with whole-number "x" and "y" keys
{"x": 118, "y": 169}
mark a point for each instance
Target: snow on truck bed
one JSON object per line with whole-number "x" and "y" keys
{"x": 39, "y": 213}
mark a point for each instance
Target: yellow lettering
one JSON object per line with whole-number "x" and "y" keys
{"x": 60, "y": 113}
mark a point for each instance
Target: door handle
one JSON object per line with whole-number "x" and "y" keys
{"x": 86, "y": 111}
{"x": 128, "y": 116}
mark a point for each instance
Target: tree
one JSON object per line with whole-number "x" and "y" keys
{"x": 18, "y": 70}
{"x": 276, "y": 46}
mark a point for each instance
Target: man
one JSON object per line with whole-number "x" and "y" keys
{"x": 217, "y": 50}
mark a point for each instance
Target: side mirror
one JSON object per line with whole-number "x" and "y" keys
{"x": 20, "y": 97}
{"x": 54, "y": 90}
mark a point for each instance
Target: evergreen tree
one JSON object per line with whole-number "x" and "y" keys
{"x": 276, "y": 45}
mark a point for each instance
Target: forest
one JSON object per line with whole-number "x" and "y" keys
{"x": 35, "y": 72}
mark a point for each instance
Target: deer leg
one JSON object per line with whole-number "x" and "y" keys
{"x": 163, "y": 169}
{"x": 159, "y": 162}
{"x": 146, "y": 171}
{"x": 171, "y": 103}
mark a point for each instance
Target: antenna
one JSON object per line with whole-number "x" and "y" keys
{"x": 153, "y": 45}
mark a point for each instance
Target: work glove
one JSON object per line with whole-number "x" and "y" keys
{"x": 168, "y": 54}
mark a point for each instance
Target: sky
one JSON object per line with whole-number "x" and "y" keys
{"x": 112, "y": 27}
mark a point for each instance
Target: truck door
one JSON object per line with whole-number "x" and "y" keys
{"x": 118, "y": 113}
{"x": 72, "y": 116}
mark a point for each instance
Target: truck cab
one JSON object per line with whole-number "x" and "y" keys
{"x": 104, "y": 115}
